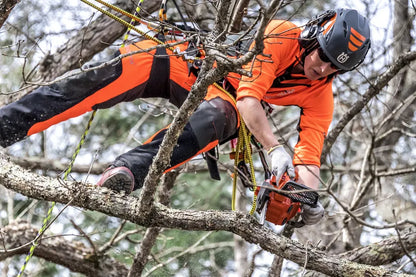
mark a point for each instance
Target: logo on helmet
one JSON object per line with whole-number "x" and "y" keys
{"x": 343, "y": 57}
{"x": 356, "y": 40}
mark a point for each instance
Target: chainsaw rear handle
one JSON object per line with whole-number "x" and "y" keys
{"x": 297, "y": 224}
{"x": 300, "y": 223}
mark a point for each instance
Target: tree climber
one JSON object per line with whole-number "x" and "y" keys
{"x": 297, "y": 69}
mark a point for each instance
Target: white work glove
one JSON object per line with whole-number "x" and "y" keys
{"x": 312, "y": 215}
{"x": 281, "y": 162}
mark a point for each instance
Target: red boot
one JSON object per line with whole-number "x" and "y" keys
{"x": 118, "y": 179}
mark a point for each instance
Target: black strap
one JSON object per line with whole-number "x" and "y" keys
{"x": 211, "y": 158}
{"x": 159, "y": 74}
{"x": 287, "y": 75}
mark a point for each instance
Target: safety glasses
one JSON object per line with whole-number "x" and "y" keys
{"x": 325, "y": 58}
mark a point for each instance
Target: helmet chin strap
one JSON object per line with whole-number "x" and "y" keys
{"x": 296, "y": 69}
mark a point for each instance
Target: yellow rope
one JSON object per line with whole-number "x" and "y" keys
{"x": 125, "y": 23}
{"x": 244, "y": 147}
{"x": 135, "y": 19}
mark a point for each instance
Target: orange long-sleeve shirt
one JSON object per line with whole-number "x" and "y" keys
{"x": 315, "y": 98}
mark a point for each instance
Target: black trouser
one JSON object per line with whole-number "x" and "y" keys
{"x": 214, "y": 120}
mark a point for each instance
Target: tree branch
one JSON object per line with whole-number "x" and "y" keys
{"x": 149, "y": 239}
{"x": 237, "y": 17}
{"x": 74, "y": 255}
{"x": 383, "y": 252}
{"x": 6, "y": 7}
{"x": 113, "y": 204}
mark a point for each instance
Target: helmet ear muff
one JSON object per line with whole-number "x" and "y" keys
{"x": 313, "y": 27}
{"x": 306, "y": 37}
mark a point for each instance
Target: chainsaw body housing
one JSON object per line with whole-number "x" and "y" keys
{"x": 281, "y": 209}
{"x": 279, "y": 203}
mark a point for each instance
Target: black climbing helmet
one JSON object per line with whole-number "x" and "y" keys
{"x": 342, "y": 34}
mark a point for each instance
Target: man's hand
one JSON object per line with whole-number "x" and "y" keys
{"x": 281, "y": 162}
{"x": 312, "y": 215}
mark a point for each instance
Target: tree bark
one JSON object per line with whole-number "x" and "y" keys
{"x": 125, "y": 207}
{"x": 237, "y": 17}
{"x": 74, "y": 255}
{"x": 6, "y": 6}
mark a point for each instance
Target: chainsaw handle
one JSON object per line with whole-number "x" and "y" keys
{"x": 297, "y": 224}
{"x": 300, "y": 223}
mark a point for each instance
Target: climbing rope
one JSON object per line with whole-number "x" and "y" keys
{"x": 244, "y": 150}
{"x": 46, "y": 220}
{"x": 132, "y": 21}
{"x": 118, "y": 19}
{"x": 244, "y": 147}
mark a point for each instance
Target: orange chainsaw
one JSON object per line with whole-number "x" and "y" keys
{"x": 279, "y": 203}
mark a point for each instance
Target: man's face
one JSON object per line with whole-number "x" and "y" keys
{"x": 315, "y": 68}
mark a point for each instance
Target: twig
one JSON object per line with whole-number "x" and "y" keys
{"x": 110, "y": 243}
{"x": 252, "y": 265}
{"x": 306, "y": 259}
{"x": 90, "y": 242}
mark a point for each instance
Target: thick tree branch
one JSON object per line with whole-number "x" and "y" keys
{"x": 74, "y": 255}
{"x": 206, "y": 77}
{"x": 110, "y": 203}
{"x": 237, "y": 17}
{"x": 383, "y": 252}
{"x": 6, "y": 6}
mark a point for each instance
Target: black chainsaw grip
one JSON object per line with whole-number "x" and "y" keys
{"x": 301, "y": 223}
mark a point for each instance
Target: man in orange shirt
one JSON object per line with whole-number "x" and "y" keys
{"x": 303, "y": 64}
{"x": 297, "y": 69}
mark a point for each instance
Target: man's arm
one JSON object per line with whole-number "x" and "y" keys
{"x": 308, "y": 175}
{"x": 255, "y": 118}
